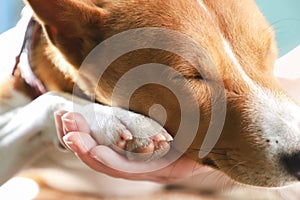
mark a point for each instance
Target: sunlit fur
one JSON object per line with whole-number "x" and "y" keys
{"x": 237, "y": 38}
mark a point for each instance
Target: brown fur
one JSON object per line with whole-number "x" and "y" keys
{"x": 71, "y": 29}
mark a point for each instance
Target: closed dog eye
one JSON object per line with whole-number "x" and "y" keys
{"x": 196, "y": 76}
{"x": 189, "y": 73}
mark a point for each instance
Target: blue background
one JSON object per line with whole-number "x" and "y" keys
{"x": 284, "y": 15}
{"x": 9, "y": 13}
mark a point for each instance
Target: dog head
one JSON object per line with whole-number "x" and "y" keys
{"x": 260, "y": 141}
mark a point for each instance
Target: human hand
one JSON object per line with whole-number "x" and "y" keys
{"x": 74, "y": 133}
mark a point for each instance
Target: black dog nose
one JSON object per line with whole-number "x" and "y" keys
{"x": 292, "y": 164}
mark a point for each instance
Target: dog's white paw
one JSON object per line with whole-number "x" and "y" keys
{"x": 134, "y": 135}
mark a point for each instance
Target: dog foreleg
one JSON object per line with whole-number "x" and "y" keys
{"x": 27, "y": 132}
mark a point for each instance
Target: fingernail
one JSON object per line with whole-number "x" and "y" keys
{"x": 60, "y": 113}
{"x": 80, "y": 143}
{"x": 69, "y": 124}
{"x": 70, "y": 145}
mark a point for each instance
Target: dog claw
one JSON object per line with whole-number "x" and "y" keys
{"x": 159, "y": 137}
{"x": 162, "y": 149}
{"x": 121, "y": 145}
{"x": 140, "y": 153}
{"x": 126, "y": 135}
{"x": 142, "y": 149}
{"x": 162, "y": 137}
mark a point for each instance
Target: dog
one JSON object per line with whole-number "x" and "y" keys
{"x": 228, "y": 52}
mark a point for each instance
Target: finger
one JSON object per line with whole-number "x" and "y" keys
{"x": 105, "y": 160}
{"x": 79, "y": 142}
{"x": 74, "y": 122}
{"x": 58, "y": 124}
{"x": 111, "y": 163}
{"x": 159, "y": 171}
{"x": 104, "y": 154}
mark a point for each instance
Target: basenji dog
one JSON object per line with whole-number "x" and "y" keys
{"x": 207, "y": 64}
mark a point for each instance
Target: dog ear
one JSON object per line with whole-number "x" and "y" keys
{"x": 68, "y": 22}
